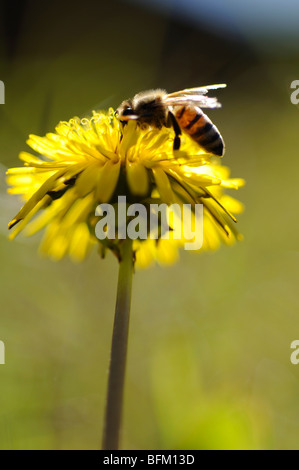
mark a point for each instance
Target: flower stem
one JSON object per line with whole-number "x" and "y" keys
{"x": 119, "y": 345}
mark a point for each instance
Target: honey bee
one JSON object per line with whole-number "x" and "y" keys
{"x": 181, "y": 110}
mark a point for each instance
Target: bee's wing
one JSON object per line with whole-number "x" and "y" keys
{"x": 195, "y": 100}
{"x": 196, "y": 91}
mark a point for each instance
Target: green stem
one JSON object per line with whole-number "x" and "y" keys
{"x": 119, "y": 345}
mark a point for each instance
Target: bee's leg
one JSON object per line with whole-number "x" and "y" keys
{"x": 177, "y": 130}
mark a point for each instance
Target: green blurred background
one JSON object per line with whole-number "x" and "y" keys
{"x": 209, "y": 348}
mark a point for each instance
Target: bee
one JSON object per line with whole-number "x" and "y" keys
{"x": 180, "y": 110}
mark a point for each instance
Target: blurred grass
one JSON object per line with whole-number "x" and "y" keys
{"x": 208, "y": 363}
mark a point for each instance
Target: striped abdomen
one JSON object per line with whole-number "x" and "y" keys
{"x": 194, "y": 122}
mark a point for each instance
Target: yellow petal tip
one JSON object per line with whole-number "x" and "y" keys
{"x": 13, "y": 222}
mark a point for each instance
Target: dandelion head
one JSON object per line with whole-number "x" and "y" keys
{"x": 92, "y": 161}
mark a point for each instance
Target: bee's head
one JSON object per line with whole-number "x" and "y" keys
{"x": 146, "y": 108}
{"x": 125, "y": 112}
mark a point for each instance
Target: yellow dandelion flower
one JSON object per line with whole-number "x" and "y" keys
{"x": 89, "y": 164}
{"x": 91, "y": 161}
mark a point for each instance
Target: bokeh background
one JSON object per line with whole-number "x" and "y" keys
{"x": 209, "y": 348}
